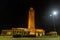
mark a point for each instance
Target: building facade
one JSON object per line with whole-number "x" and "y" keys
{"x": 31, "y": 30}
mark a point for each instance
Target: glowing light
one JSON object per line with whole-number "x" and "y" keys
{"x": 8, "y": 33}
{"x": 54, "y": 12}
{"x": 50, "y": 15}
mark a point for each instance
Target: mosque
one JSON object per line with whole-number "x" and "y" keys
{"x": 31, "y": 26}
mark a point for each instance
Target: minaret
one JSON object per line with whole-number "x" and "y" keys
{"x": 31, "y": 20}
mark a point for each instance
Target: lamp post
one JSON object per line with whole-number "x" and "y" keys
{"x": 53, "y": 17}
{"x": 54, "y": 23}
{"x": 54, "y": 13}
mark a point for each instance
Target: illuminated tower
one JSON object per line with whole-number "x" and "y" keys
{"x": 31, "y": 21}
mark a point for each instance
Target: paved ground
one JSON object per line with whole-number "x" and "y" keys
{"x": 10, "y": 38}
{"x": 36, "y": 39}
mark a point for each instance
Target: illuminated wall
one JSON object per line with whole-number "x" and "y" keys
{"x": 31, "y": 20}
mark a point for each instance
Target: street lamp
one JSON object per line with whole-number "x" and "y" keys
{"x": 54, "y": 13}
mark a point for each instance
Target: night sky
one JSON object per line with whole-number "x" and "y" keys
{"x": 14, "y": 13}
